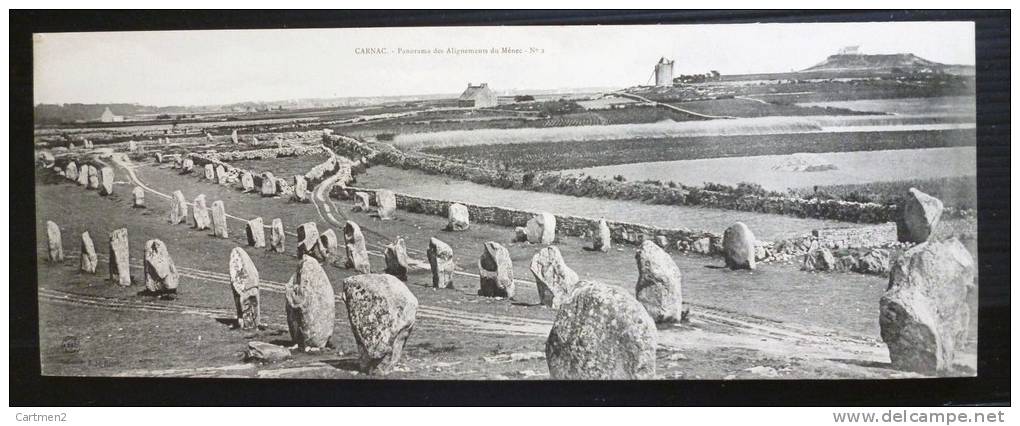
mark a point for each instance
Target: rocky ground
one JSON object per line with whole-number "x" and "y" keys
{"x": 776, "y": 322}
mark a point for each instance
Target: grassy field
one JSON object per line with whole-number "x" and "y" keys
{"x": 285, "y": 167}
{"x": 581, "y": 154}
{"x": 737, "y": 107}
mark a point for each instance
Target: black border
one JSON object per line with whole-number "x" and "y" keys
{"x": 991, "y": 386}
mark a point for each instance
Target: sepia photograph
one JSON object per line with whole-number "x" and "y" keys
{"x": 671, "y": 202}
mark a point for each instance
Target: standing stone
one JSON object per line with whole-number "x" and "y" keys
{"x": 106, "y": 181}
{"x": 659, "y": 284}
{"x": 387, "y": 203}
{"x": 924, "y": 314}
{"x": 308, "y": 238}
{"x": 139, "y": 197}
{"x": 277, "y": 237}
{"x": 89, "y": 260}
{"x": 328, "y": 248}
{"x": 200, "y": 213}
{"x": 233, "y": 136}
{"x": 178, "y": 208}
{"x": 396, "y": 259}
{"x": 72, "y": 171}
{"x": 268, "y": 184}
{"x": 601, "y": 239}
{"x": 160, "y": 273}
{"x": 120, "y": 259}
{"x": 210, "y": 172}
{"x": 554, "y": 278}
{"x": 188, "y": 165}
{"x": 219, "y": 220}
{"x": 819, "y": 259}
{"x": 310, "y": 309}
{"x": 542, "y": 229}
{"x": 362, "y": 202}
{"x": 738, "y": 247}
{"x": 159, "y": 157}
{"x": 132, "y": 146}
{"x": 221, "y": 175}
{"x": 520, "y": 235}
{"x": 357, "y": 254}
{"x": 83, "y": 175}
{"x": 495, "y": 271}
{"x": 93, "y": 177}
{"x": 300, "y": 189}
{"x": 661, "y": 241}
{"x": 441, "y": 262}
{"x": 601, "y": 333}
{"x": 382, "y": 313}
{"x": 178, "y": 163}
{"x": 54, "y": 242}
{"x": 254, "y": 140}
{"x": 255, "y": 232}
{"x": 247, "y": 182}
{"x": 458, "y": 217}
{"x": 919, "y": 218}
{"x": 244, "y": 282}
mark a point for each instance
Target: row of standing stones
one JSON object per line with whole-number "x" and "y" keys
{"x": 923, "y": 314}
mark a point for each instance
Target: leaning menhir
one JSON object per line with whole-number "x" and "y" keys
{"x": 918, "y": 218}
{"x": 55, "y": 244}
{"x": 542, "y": 229}
{"x": 120, "y": 260}
{"x": 386, "y": 202}
{"x": 659, "y": 284}
{"x": 495, "y": 271}
{"x": 924, "y": 314}
{"x": 357, "y": 254}
{"x": 308, "y": 238}
{"x": 178, "y": 208}
{"x": 160, "y": 273}
{"x": 382, "y": 313}
{"x": 441, "y": 262}
{"x": 244, "y": 283}
{"x": 277, "y": 237}
{"x": 738, "y": 247}
{"x": 219, "y": 220}
{"x": 310, "y": 308}
{"x": 255, "y": 233}
{"x": 89, "y": 260}
{"x": 601, "y": 333}
{"x": 554, "y": 278}
{"x": 396, "y": 259}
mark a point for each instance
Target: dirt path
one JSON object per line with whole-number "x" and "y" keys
{"x": 672, "y": 107}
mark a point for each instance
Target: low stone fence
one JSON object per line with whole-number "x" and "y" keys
{"x": 318, "y": 173}
{"x": 845, "y": 211}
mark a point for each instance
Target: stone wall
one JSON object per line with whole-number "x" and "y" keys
{"x": 318, "y": 173}
{"x": 380, "y": 153}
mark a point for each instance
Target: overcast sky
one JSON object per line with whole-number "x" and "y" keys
{"x": 216, "y": 67}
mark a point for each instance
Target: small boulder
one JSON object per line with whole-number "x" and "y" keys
{"x": 875, "y": 261}
{"x": 247, "y": 182}
{"x": 520, "y": 235}
{"x": 495, "y": 271}
{"x": 458, "y": 217}
{"x": 187, "y": 165}
{"x": 441, "y": 262}
{"x": 819, "y": 259}
{"x": 738, "y": 247}
{"x": 382, "y": 314}
{"x": 601, "y": 333}
{"x": 659, "y": 286}
{"x": 139, "y": 197}
{"x": 310, "y": 305}
{"x": 541, "y": 229}
{"x": 919, "y": 217}
{"x": 554, "y": 278}
{"x": 702, "y": 246}
{"x": 362, "y": 202}
{"x": 266, "y": 353}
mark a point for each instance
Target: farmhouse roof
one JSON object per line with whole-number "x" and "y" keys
{"x": 473, "y": 92}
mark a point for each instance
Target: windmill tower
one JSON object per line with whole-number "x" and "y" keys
{"x": 664, "y": 72}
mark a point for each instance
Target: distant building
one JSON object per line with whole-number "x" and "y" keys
{"x": 109, "y": 117}
{"x": 479, "y": 96}
{"x": 664, "y": 72}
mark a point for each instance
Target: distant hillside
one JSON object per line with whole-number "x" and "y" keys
{"x": 902, "y": 62}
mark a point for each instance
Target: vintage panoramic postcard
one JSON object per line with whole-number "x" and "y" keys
{"x": 674, "y": 202}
